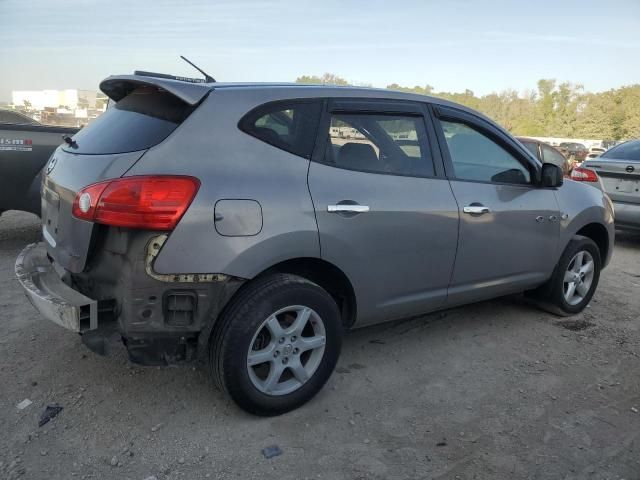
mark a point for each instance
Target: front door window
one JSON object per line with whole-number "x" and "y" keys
{"x": 476, "y": 157}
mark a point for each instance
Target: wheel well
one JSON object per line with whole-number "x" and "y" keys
{"x": 597, "y": 233}
{"x": 329, "y": 277}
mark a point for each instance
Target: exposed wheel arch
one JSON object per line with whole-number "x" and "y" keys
{"x": 326, "y": 275}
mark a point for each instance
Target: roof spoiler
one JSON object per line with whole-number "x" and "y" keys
{"x": 142, "y": 73}
{"x": 116, "y": 87}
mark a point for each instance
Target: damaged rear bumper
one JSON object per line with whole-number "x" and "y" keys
{"x": 50, "y": 295}
{"x": 160, "y": 319}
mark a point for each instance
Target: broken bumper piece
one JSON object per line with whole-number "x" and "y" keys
{"x": 53, "y": 298}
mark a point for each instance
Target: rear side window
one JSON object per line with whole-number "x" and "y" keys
{"x": 625, "y": 151}
{"x": 140, "y": 120}
{"x": 379, "y": 143}
{"x": 290, "y": 125}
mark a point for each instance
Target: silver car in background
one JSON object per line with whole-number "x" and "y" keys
{"x": 249, "y": 225}
{"x": 619, "y": 172}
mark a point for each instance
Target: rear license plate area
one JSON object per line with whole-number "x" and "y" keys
{"x": 50, "y": 212}
{"x": 627, "y": 186}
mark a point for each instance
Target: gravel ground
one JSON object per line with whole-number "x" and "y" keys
{"x": 495, "y": 390}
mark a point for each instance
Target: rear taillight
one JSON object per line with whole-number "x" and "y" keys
{"x": 148, "y": 202}
{"x": 582, "y": 174}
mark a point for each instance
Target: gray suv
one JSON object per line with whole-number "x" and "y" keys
{"x": 250, "y": 225}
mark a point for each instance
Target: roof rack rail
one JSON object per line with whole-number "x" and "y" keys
{"x": 142, "y": 73}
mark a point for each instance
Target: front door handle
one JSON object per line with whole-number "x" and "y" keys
{"x": 345, "y": 208}
{"x": 476, "y": 209}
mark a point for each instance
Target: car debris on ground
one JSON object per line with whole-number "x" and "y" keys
{"x": 271, "y": 451}
{"x": 50, "y": 412}
{"x": 24, "y": 404}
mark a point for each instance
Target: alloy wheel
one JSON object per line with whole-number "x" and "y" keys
{"x": 286, "y": 350}
{"x": 578, "y": 277}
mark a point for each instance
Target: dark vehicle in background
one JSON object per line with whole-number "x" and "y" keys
{"x": 16, "y": 118}
{"x": 563, "y": 151}
{"x": 546, "y": 153}
{"x": 25, "y": 147}
{"x": 576, "y": 152}
{"x": 619, "y": 172}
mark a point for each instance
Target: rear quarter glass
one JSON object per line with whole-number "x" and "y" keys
{"x": 139, "y": 121}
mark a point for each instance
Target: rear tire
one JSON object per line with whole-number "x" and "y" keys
{"x": 574, "y": 280}
{"x": 276, "y": 344}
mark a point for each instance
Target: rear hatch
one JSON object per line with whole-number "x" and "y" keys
{"x": 146, "y": 112}
{"x": 619, "y": 169}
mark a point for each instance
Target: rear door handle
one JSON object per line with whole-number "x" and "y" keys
{"x": 340, "y": 208}
{"x": 476, "y": 209}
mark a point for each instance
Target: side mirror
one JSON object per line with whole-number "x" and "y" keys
{"x": 551, "y": 175}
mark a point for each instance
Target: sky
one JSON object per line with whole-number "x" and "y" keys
{"x": 483, "y": 45}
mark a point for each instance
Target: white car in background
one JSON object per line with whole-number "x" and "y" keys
{"x": 595, "y": 152}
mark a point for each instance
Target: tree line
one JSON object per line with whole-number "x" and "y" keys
{"x": 551, "y": 110}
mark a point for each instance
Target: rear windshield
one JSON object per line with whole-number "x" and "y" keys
{"x": 139, "y": 121}
{"x": 625, "y": 151}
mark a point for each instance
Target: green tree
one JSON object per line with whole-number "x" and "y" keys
{"x": 593, "y": 120}
{"x": 426, "y": 90}
{"x": 630, "y": 102}
{"x": 545, "y": 104}
{"x": 326, "y": 79}
{"x": 552, "y": 109}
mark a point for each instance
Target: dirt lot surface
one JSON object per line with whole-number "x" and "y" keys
{"x": 496, "y": 390}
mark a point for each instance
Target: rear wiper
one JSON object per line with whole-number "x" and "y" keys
{"x": 69, "y": 141}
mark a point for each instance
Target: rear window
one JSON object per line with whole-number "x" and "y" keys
{"x": 289, "y": 125}
{"x": 140, "y": 120}
{"x": 625, "y": 151}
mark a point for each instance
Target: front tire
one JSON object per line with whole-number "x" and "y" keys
{"x": 574, "y": 280}
{"x": 276, "y": 344}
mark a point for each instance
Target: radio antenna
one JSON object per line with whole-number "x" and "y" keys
{"x": 208, "y": 78}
